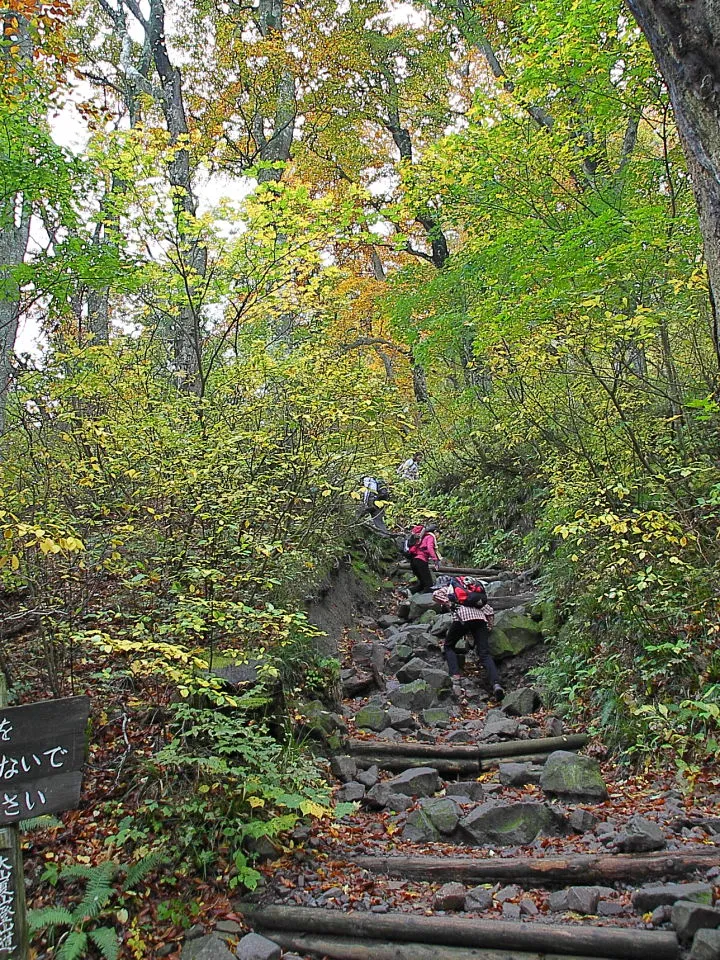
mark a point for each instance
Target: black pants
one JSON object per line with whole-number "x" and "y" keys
{"x": 421, "y": 569}
{"x": 480, "y": 633}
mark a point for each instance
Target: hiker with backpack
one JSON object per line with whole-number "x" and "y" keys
{"x": 467, "y": 599}
{"x": 421, "y": 549}
{"x": 374, "y": 497}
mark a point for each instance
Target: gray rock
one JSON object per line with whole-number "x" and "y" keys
{"x": 443, "y": 813}
{"x": 467, "y": 789}
{"x": 554, "y": 727}
{"x": 400, "y": 655}
{"x": 344, "y": 768}
{"x": 441, "y": 624}
{"x": 372, "y": 717}
{"x": 519, "y": 774}
{"x": 610, "y": 908}
{"x": 439, "y": 680}
{"x": 401, "y": 719}
{"x": 412, "y": 670}
{"x": 420, "y": 603}
{"x": 511, "y": 824}
{"x": 350, "y": 792}
{"x": 381, "y": 796}
{"x": 706, "y": 945}
{"x": 640, "y": 836}
{"x": 501, "y": 727}
{"x": 511, "y": 911}
{"x": 522, "y": 702}
{"x": 212, "y": 947}
{"x": 417, "y": 782}
{"x": 478, "y": 899}
{"x": 687, "y": 918}
{"x": 389, "y": 733}
{"x": 369, "y": 654}
{"x": 528, "y": 908}
{"x": 653, "y": 895}
{"x": 388, "y": 620}
{"x": 413, "y": 696}
{"x": 436, "y": 717}
{"x": 582, "y": 821}
{"x": 368, "y": 778}
{"x": 450, "y": 896}
{"x": 420, "y": 828}
{"x": 460, "y": 736}
{"x": 582, "y": 900}
{"x": 318, "y": 717}
{"x": 512, "y": 634}
{"x": 661, "y": 915}
{"x": 255, "y": 947}
{"x": 570, "y": 776}
{"x": 511, "y": 892}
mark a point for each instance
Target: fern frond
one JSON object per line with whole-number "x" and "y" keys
{"x": 80, "y": 870}
{"x": 106, "y": 940}
{"x": 138, "y": 871}
{"x": 49, "y": 917}
{"x": 45, "y": 822}
{"x": 98, "y": 892}
{"x": 74, "y": 946}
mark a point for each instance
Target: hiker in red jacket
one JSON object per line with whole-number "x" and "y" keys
{"x": 422, "y": 554}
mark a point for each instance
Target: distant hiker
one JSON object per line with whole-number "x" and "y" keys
{"x": 421, "y": 548}
{"x": 375, "y": 495}
{"x": 471, "y": 614}
{"x": 410, "y": 469}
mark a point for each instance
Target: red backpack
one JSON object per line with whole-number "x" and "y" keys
{"x": 469, "y": 592}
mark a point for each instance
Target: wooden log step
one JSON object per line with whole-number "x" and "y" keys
{"x": 345, "y": 948}
{"x": 485, "y": 573}
{"x": 465, "y": 751}
{"x": 441, "y": 764}
{"x": 563, "y": 939}
{"x": 539, "y": 871}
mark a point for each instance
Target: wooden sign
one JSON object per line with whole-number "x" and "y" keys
{"x": 42, "y": 750}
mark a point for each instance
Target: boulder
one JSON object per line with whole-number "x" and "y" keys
{"x": 255, "y": 947}
{"x": 519, "y": 774}
{"x": 554, "y": 727}
{"x": 652, "y": 895}
{"x": 368, "y": 778}
{"x": 512, "y": 634}
{"x": 582, "y": 900}
{"x": 413, "y": 696}
{"x": 368, "y": 655}
{"x": 416, "y": 782}
{"x": 706, "y": 945}
{"x": 420, "y": 603}
{"x": 400, "y": 655}
{"x": 443, "y": 813}
{"x": 466, "y": 789}
{"x": 319, "y": 718}
{"x": 388, "y": 620}
{"x": 521, "y": 702}
{"x": 570, "y": 776}
{"x": 450, "y": 896}
{"x": 436, "y": 717}
{"x": 502, "y": 727}
{"x": 478, "y": 899}
{"x": 581, "y": 821}
{"x": 357, "y": 682}
{"x": 687, "y": 918}
{"x": 441, "y": 624}
{"x": 640, "y": 836}
{"x": 401, "y": 719}
{"x": 212, "y": 947}
{"x": 350, "y": 792}
{"x": 412, "y": 670}
{"x": 373, "y": 716}
{"x": 511, "y": 824}
{"x": 381, "y": 796}
{"x": 420, "y": 828}
{"x": 344, "y": 768}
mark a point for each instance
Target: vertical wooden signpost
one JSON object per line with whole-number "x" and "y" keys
{"x": 42, "y": 750}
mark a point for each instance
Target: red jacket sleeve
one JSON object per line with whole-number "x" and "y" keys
{"x": 429, "y": 544}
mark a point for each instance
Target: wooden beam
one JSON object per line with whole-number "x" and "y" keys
{"x": 469, "y": 751}
{"x": 563, "y": 939}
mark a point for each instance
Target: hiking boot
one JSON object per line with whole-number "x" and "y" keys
{"x": 498, "y": 692}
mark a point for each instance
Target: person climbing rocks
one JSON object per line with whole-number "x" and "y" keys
{"x": 473, "y": 619}
{"x": 422, "y": 549}
{"x": 410, "y": 469}
{"x": 374, "y": 497}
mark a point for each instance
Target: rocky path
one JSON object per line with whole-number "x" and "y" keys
{"x": 481, "y": 830}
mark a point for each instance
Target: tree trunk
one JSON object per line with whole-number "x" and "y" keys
{"x": 457, "y": 751}
{"x": 685, "y": 40}
{"x": 14, "y": 234}
{"x": 541, "y": 871}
